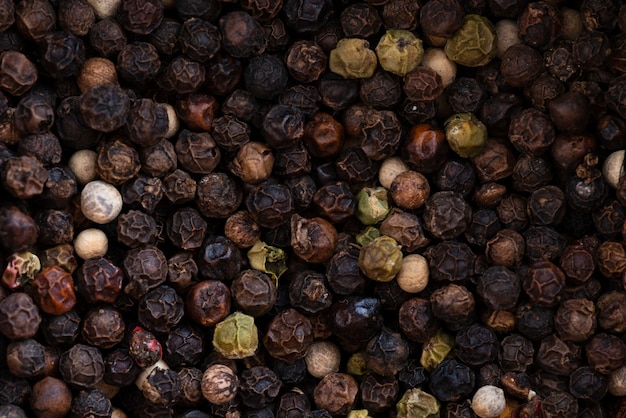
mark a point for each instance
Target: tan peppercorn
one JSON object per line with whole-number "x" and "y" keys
{"x": 414, "y": 273}
{"x": 83, "y": 165}
{"x": 389, "y": 169}
{"x": 437, "y": 60}
{"x": 322, "y": 358}
{"x": 91, "y": 243}
{"x": 219, "y": 384}
{"x": 253, "y": 163}
{"x": 100, "y": 202}
{"x": 96, "y": 71}
{"x": 410, "y": 190}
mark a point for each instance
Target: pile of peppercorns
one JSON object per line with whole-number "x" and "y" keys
{"x": 312, "y": 208}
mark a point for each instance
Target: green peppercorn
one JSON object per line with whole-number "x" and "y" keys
{"x": 466, "y": 135}
{"x": 475, "y": 44}
{"x": 399, "y": 51}
{"x": 357, "y": 365}
{"x": 373, "y": 205}
{"x": 381, "y": 259}
{"x": 353, "y": 58}
{"x": 368, "y": 235}
{"x": 416, "y": 403}
{"x": 268, "y": 259}
{"x": 436, "y": 349}
{"x": 236, "y": 337}
{"x": 358, "y": 413}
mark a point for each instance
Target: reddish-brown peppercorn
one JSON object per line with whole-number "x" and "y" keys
{"x": 197, "y": 111}
{"x": 54, "y": 290}
{"x": 323, "y": 136}
{"x": 208, "y": 302}
{"x": 117, "y": 162}
{"x": 17, "y": 73}
{"x": 51, "y": 398}
{"x": 426, "y": 149}
{"x": 611, "y": 259}
{"x": 218, "y": 195}
{"x": 543, "y": 282}
{"x": 35, "y": 19}
{"x": 313, "y": 240}
{"x": 253, "y": 163}
{"x": 17, "y": 229}
{"x": 506, "y": 248}
{"x": 409, "y": 190}
{"x": 24, "y": 177}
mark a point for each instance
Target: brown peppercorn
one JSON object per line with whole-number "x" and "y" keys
{"x": 506, "y": 248}
{"x": 148, "y": 123}
{"x": 105, "y": 107}
{"x": 17, "y": 229}
{"x": 521, "y": 65}
{"x": 103, "y": 327}
{"x": 140, "y": 17}
{"x": 51, "y": 398}
{"x": 531, "y": 132}
{"x": 218, "y": 195}
{"x": 577, "y": 263}
{"x": 197, "y": 111}
{"x": 314, "y": 240}
{"x": 34, "y": 114}
{"x": 230, "y": 132}
{"x": 91, "y": 403}
{"x": 543, "y": 282}
{"x": 570, "y": 112}
{"x": 241, "y": 229}
{"x": 441, "y": 18}
{"x": 17, "y": 73}
{"x": 208, "y": 302}
{"x": 117, "y": 162}
{"x": 242, "y": 35}
{"x": 336, "y": 393}
{"x": 197, "y": 152}
{"x": 145, "y": 268}
{"x": 179, "y": 187}
{"x": 253, "y": 163}
{"x": 323, "y": 135}
{"x": 54, "y": 290}
{"x": 539, "y": 24}
{"x": 453, "y": 304}
{"x": 423, "y": 84}
{"x": 67, "y": 46}
{"x": 98, "y": 280}
{"x": 409, "y": 190}
{"x": 26, "y": 358}
{"x": 305, "y": 61}
{"x": 82, "y": 366}
{"x": 288, "y": 336}
{"x": 19, "y": 316}
{"x": 446, "y": 215}
{"x": 605, "y": 353}
{"x": 611, "y": 259}
{"x": 575, "y": 320}
{"x": 182, "y": 76}
{"x": 186, "y": 228}
{"x": 254, "y": 292}
{"x": 35, "y": 19}
{"x": 387, "y": 353}
{"x": 308, "y": 292}
{"x": 107, "y": 37}
{"x": 24, "y": 177}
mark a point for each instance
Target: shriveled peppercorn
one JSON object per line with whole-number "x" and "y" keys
{"x": 82, "y": 366}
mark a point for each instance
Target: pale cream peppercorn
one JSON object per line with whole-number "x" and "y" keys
{"x": 414, "y": 273}
{"x": 91, "y": 243}
{"x": 83, "y": 165}
{"x": 105, "y": 8}
{"x": 508, "y": 35}
{"x": 571, "y": 24}
{"x": 613, "y": 168}
{"x": 389, "y": 169}
{"x": 617, "y": 382}
{"x": 437, "y": 60}
{"x": 100, "y": 202}
{"x": 118, "y": 413}
{"x": 96, "y": 71}
{"x": 322, "y": 358}
{"x": 488, "y": 402}
{"x": 173, "y": 122}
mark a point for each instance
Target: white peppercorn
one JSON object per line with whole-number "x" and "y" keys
{"x": 488, "y": 402}
{"x": 414, "y": 273}
{"x": 438, "y": 61}
{"x": 141, "y": 379}
{"x": 105, "y": 8}
{"x": 389, "y": 169}
{"x": 322, "y": 358}
{"x": 508, "y": 35}
{"x": 617, "y": 382}
{"x": 83, "y": 165}
{"x": 91, "y": 243}
{"x": 173, "y": 121}
{"x": 613, "y": 168}
{"x": 100, "y": 202}
{"x": 219, "y": 384}
{"x": 118, "y": 413}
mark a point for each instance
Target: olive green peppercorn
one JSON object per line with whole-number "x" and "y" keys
{"x": 399, "y": 51}
{"x": 475, "y": 44}
{"x": 381, "y": 259}
{"x": 236, "y": 337}
{"x": 466, "y": 134}
{"x": 353, "y": 58}
{"x": 417, "y": 403}
{"x": 373, "y": 205}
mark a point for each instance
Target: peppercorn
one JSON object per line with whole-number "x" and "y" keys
{"x": 336, "y": 393}
{"x": 399, "y": 51}
{"x": 416, "y": 402}
{"x": 381, "y": 259}
{"x": 236, "y": 337}
{"x": 352, "y": 58}
{"x": 219, "y": 384}
{"x": 82, "y": 366}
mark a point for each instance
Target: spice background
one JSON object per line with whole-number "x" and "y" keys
{"x": 313, "y": 208}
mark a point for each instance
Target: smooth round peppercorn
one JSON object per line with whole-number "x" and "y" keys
{"x": 219, "y": 384}
{"x": 414, "y": 273}
{"x": 488, "y": 402}
{"x": 83, "y": 165}
{"x": 409, "y": 189}
{"x": 91, "y": 243}
{"x": 100, "y": 202}
{"x": 51, "y": 398}
{"x": 322, "y": 358}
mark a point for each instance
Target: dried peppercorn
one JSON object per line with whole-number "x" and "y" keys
{"x": 387, "y": 353}
{"x": 145, "y": 268}
{"x": 450, "y": 261}
{"x": 82, "y": 366}
{"x": 381, "y": 259}
{"x": 98, "y": 280}
{"x": 19, "y": 316}
{"x": 474, "y": 44}
{"x": 585, "y": 383}
{"x": 184, "y": 346}
{"x": 208, "y": 302}
{"x": 105, "y": 107}
{"x": 61, "y": 329}
{"x": 103, "y": 327}
{"x": 539, "y": 24}
{"x": 160, "y": 310}
{"x": 218, "y": 195}
{"x": 54, "y": 290}
{"x": 26, "y": 358}
{"x": 265, "y": 76}
{"x": 236, "y": 336}
{"x": 336, "y": 393}
{"x": 107, "y": 37}
{"x": 24, "y": 177}
{"x": 259, "y": 386}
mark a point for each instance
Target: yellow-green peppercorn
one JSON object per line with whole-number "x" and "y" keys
{"x": 368, "y": 235}
{"x": 399, "y": 51}
{"x": 416, "y": 403}
{"x": 353, "y": 58}
{"x": 475, "y": 44}
{"x": 358, "y": 413}
{"x": 357, "y": 365}
{"x": 372, "y": 206}
{"x": 381, "y": 259}
{"x": 436, "y": 349}
{"x": 236, "y": 337}
{"x": 466, "y": 135}
{"x": 268, "y": 259}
